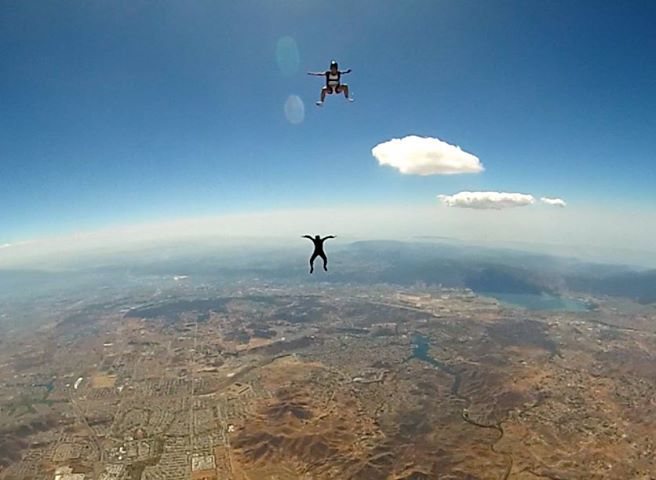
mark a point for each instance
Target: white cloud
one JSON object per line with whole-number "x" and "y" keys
{"x": 554, "y": 202}
{"x": 15, "y": 245}
{"x": 415, "y": 155}
{"x": 487, "y": 200}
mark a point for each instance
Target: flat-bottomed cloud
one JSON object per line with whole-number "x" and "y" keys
{"x": 415, "y": 155}
{"x": 487, "y": 200}
{"x": 554, "y": 202}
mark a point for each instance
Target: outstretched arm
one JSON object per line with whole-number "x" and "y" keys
{"x": 308, "y": 237}
{"x": 329, "y": 236}
{"x": 345, "y": 71}
{"x": 316, "y": 74}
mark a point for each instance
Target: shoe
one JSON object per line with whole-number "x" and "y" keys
{"x": 319, "y": 103}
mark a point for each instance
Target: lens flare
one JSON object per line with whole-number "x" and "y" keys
{"x": 294, "y": 109}
{"x": 287, "y": 56}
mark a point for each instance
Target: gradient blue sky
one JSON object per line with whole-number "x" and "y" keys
{"x": 123, "y": 112}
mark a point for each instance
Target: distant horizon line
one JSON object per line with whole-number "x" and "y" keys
{"x": 590, "y": 235}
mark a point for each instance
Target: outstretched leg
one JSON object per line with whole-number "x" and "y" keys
{"x": 345, "y": 89}
{"x": 323, "y": 96}
{"x": 312, "y": 258}
{"x": 325, "y": 261}
{"x": 324, "y": 91}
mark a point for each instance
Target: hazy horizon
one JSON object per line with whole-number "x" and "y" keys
{"x": 542, "y": 230}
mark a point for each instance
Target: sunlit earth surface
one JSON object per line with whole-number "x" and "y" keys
{"x": 186, "y": 377}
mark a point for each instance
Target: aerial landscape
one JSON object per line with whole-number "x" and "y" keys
{"x": 180, "y": 376}
{"x": 327, "y": 240}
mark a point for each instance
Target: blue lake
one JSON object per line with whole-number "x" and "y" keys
{"x": 540, "y": 302}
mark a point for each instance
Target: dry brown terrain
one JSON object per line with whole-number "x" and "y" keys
{"x": 349, "y": 389}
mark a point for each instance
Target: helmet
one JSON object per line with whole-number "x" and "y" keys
{"x": 333, "y": 63}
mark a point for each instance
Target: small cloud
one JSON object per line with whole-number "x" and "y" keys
{"x": 487, "y": 200}
{"x": 15, "y": 244}
{"x": 554, "y": 202}
{"x": 415, "y": 155}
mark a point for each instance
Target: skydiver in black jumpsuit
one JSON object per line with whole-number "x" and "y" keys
{"x": 333, "y": 82}
{"x": 318, "y": 250}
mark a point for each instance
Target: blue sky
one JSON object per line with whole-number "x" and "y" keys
{"x": 125, "y": 112}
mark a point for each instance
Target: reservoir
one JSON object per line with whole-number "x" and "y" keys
{"x": 420, "y": 346}
{"x": 544, "y": 301}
